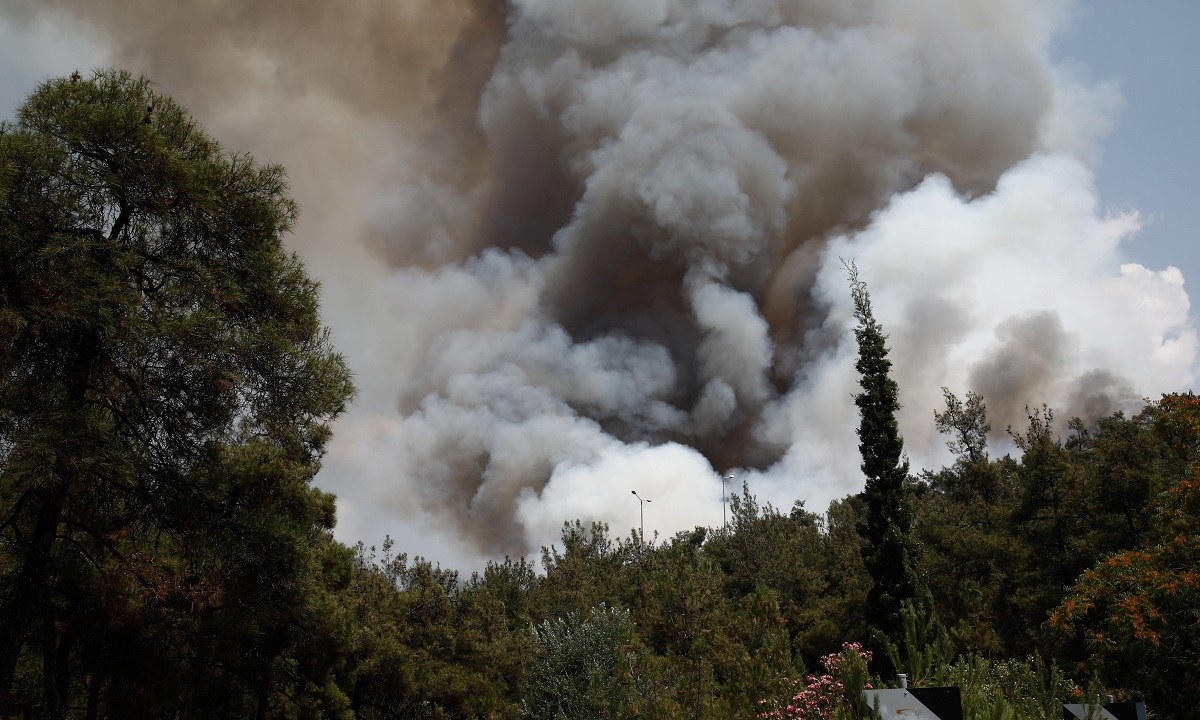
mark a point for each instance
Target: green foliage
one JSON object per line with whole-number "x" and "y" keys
{"x": 1006, "y": 537}
{"x": 1051, "y": 517}
{"x": 971, "y": 552}
{"x": 922, "y": 648}
{"x": 165, "y": 394}
{"x": 840, "y": 612}
{"x": 582, "y": 667}
{"x": 1007, "y": 689}
{"x": 426, "y": 646}
{"x": 589, "y": 569}
{"x": 718, "y": 650}
{"x": 889, "y": 552}
{"x": 766, "y": 550}
{"x": 1138, "y": 611}
{"x": 965, "y": 421}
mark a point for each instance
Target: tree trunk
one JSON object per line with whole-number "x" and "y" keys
{"x": 53, "y": 707}
{"x": 356, "y": 698}
{"x": 95, "y": 682}
{"x": 264, "y": 695}
{"x": 28, "y": 591}
{"x": 62, "y": 669}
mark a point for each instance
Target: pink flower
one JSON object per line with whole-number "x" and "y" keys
{"x": 817, "y": 697}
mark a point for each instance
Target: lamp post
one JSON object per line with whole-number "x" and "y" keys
{"x": 724, "y": 479}
{"x": 641, "y": 513}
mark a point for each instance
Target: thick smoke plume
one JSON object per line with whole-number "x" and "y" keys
{"x": 579, "y": 247}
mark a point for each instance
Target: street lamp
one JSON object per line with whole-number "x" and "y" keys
{"x": 641, "y": 512}
{"x": 724, "y": 479}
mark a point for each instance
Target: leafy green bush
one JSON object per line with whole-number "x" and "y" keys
{"x": 581, "y": 668}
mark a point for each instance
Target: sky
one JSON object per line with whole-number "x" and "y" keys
{"x": 1017, "y": 207}
{"x": 1148, "y": 161}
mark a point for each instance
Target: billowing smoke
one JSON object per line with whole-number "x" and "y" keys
{"x": 578, "y": 247}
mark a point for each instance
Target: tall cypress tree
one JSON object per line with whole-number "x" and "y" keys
{"x": 888, "y": 551}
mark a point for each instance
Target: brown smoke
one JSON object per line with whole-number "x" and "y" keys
{"x": 292, "y": 80}
{"x": 398, "y": 60}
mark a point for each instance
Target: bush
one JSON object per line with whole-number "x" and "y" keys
{"x": 581, "y": 668}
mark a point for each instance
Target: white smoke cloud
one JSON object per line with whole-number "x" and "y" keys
{"x": 680, "y": 486}
{"x": 580, "y": 247}
{"x": 1021, "y": 294}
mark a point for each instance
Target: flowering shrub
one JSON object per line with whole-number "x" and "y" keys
{"x": 827, "y": 696}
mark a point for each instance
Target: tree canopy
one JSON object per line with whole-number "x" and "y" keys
{"x": 166, "y": 388}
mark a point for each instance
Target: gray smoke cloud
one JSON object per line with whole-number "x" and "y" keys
{"x": 578, "y": 247}
{"x": 1026, "y": 362}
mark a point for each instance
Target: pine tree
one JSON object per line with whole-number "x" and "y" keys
{"x": 888, "y": 551}
{"x": 166, "y": 390}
